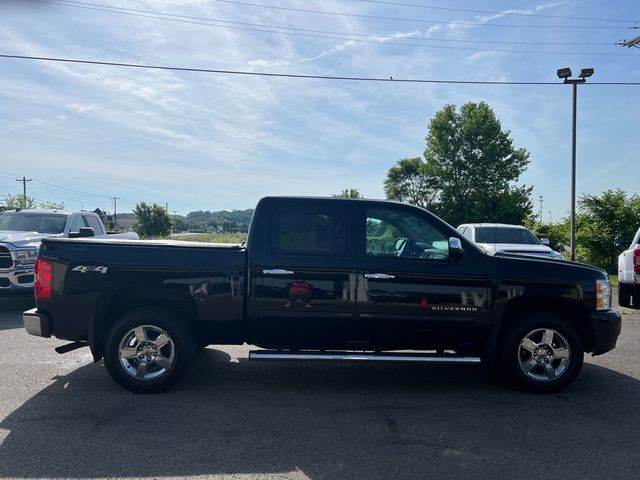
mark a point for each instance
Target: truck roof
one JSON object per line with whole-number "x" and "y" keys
{"x": 492, "y": 225}
{"x": 38, "y": 211}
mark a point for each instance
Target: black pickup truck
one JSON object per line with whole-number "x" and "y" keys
{"x": 323, "y": 279}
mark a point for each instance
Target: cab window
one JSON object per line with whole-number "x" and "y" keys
{"x": 77, "y": 223}
{"x": 309, "y": 232}
{"x": 398, "y": 233}
{"x": 94, "y": 223}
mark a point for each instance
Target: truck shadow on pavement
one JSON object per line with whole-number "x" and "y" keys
{"x": 325, "y": 421}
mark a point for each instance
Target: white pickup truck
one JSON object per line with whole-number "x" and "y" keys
{"x": 629, "y": 274}
{"x": 22, "y": 230}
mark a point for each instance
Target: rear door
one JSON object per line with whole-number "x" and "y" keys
{"x": 303, "y": 275}
{"x": 411, "y": 293}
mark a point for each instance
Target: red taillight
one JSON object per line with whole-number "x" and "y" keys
{"x": 636, "y": 260}
{"x": 42, "y": 285}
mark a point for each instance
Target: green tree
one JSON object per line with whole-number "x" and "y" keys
{"x": 19, "y": 201}
{"x": 51, "y": 205}
{"x": 152, "y": 220}
{"x": 599, "y": 221}
{"x": 469, "y": 169}
{"x": 476, "y": 164}
{"x": 348, "y": 193}
{"x": 410, "y": 181}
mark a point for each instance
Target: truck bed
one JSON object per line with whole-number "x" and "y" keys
{"x": 206, "y": 280}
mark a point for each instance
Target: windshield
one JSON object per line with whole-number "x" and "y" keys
{"x": 32, "y": 222}
{"x": 520, "y": 236}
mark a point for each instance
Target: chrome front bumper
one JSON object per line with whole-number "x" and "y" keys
{"x": 17, "y": 278}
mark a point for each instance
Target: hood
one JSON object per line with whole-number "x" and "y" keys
{"x": 24, "y": 239}
{"x": 519, "y": 248}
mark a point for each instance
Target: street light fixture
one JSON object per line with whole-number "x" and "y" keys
{"x": 565, "y": 75}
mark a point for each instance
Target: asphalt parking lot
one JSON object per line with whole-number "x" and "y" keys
{"x": 61, "y": 416}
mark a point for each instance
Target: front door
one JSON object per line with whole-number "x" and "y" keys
{"x": 412, "y": 293}
{"x": 303, "y": 277}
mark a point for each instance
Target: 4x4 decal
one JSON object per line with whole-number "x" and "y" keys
{"x": 90, "y": 268}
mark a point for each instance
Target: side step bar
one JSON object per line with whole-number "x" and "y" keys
{"x": 360, "y": 357}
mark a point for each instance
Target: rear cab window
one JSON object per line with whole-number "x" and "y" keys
{"x": 309, "y": 231}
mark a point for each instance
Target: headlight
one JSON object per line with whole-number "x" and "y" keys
{"x": 24, "y": 257}
{"x": 603, "y": 294}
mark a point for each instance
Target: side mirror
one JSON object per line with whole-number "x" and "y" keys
{"x": 544, "y": 241}
{"x": 455, "y": 247}
{"x": 83, "y": 233}
{"x": 619, "y": 241}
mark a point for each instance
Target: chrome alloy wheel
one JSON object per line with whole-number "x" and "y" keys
{"x": 146, "y": 352}
{"x": 544, "y": 354}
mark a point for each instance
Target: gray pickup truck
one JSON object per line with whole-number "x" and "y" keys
{"x": 21, "y": 232}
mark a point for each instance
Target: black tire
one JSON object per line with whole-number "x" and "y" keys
{"x": 624, "y": 295}
{"x": 175, "y": 354}
{"x": 514, "y": 358}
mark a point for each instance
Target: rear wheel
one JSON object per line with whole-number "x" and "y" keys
{"x": 148, "y": 350}
{"x": 542, "y": 352}
{"x": 624, "y": 294}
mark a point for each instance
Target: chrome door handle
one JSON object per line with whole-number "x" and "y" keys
{"x": 378, "y": 276}
{"x": 277, "y": 271}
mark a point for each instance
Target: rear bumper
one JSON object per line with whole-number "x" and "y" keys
{"x": 607, "y": 325}
{"x": 36, "y": 323}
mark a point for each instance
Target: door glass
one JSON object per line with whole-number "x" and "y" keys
{"x": 397, "y": 233}
{"x": 315, "y": 233}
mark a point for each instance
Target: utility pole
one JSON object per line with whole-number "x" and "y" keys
{"x": 541, "y": 198}
{"x": 24, "y": 181}
{"x": 115, "y": 209}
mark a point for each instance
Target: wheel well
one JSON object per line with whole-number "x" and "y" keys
{"x": 574, "y": 312}
{"x": 109, "y": 310}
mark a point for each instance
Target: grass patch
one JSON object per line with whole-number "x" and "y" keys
{"x": 614, "y": 280}
{"x": 224, "y": 237}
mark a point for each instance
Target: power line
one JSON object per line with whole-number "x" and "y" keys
{"x": 415, "y": 20}
{"x": 66, "y": 189}
{"x": 156, "y": 15}
{"x": 298, "y": 76}
{"x": 495, "y": 12}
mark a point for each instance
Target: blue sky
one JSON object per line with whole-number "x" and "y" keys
{"x": 211, "y": 142}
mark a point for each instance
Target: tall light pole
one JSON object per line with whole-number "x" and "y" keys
{"x": 565, "y": 74}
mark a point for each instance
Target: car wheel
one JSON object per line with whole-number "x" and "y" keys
{"x": 148, "y": 350}
{"x": 542, "y": 352}
{"x": 624, "y": 295}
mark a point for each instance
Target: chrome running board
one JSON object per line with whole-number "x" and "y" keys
{"x": 360, "y": 357}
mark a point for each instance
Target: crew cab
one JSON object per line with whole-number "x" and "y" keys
{"x": 21, "y": 232}
{"x": 629, "y": 274}
{"x": 506, "y": 238}
{"x": 323, "y": 279}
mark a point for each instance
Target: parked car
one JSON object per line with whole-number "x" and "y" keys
{"x": 629, "y": 273}
{"x": 505, "y": 238}
{"x": 22, "y": 231}
{"x": 323, "y": 279}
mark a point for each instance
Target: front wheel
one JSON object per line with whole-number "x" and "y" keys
{"x": 542, "y": 352}
{"x": 148, "y": 350}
